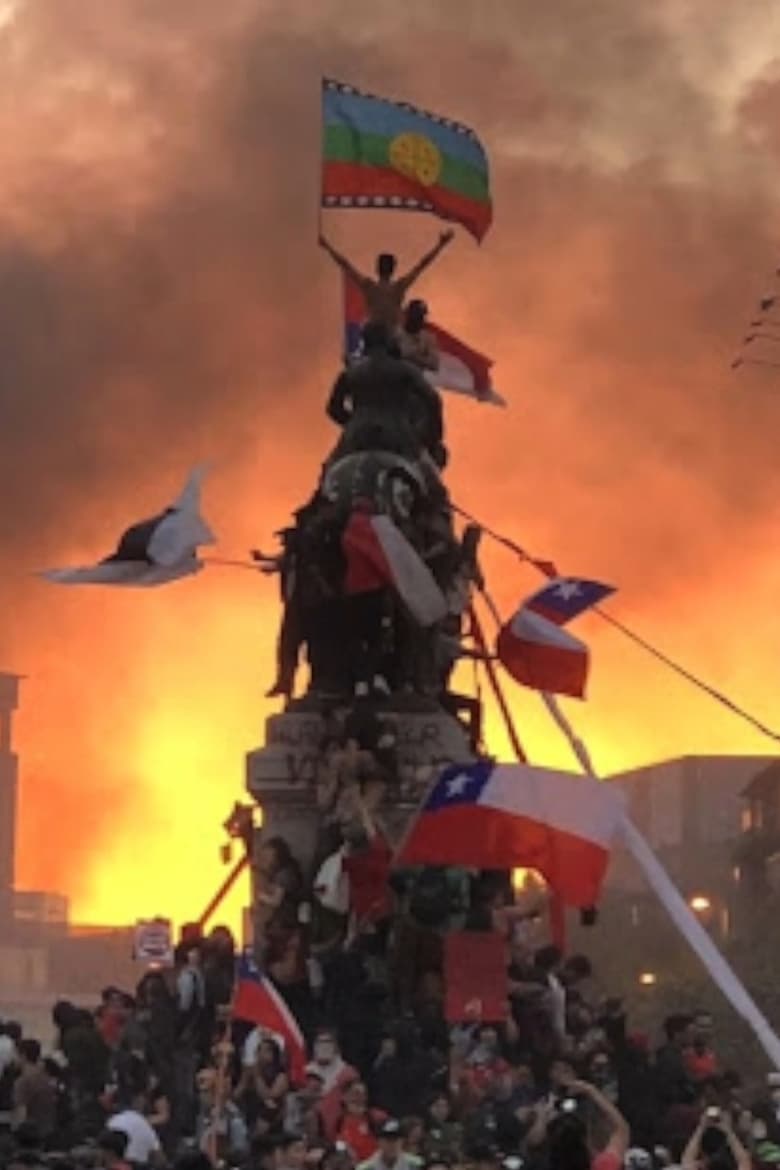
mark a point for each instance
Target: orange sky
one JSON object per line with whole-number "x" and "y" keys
{"x": 162, "y": 301}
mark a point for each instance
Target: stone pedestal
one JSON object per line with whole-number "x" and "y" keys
{"x": 281, "y": 776}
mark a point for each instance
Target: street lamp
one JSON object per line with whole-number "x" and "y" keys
{"x": 700, "y": 904}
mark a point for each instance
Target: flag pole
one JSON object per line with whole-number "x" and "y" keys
{"x": 672, "y": 900}
{"x": 557, "y": 909}
{"x": 226, "y": 562}
{"x": 514, "y": 739}
{"x": 224, "y": 890}
{"x": 677, "y": 908}
{"x": 320, "y": 155}
{"x": 495, "y": 685}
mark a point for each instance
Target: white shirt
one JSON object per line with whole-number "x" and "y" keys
{"x": 253, "y": 1042}
{"x": 558, "y": 994}
{"x": 142, "y": 1140}
{"x": 7, "y": 1051}
{"x": 191, "y": 989}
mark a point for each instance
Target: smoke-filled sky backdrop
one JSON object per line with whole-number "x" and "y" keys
{"x": 163, "y": 301}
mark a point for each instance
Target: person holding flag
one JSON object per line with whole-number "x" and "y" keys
{"x": 385, "y": 293}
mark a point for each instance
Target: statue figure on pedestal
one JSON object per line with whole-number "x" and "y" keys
{"x": 385, "y": 403}
{"x": 387, "y": 461}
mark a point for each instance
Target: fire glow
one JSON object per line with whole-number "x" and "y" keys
{"x": 162, "y": 300}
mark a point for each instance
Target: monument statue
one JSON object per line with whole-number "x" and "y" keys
{"x": 358, "y": 743}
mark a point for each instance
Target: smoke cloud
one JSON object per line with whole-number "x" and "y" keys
{"x": 162, "y": 301}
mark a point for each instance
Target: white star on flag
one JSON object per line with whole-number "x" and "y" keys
{"x": 568, "y": 589}
{"x": 458, "y": 785}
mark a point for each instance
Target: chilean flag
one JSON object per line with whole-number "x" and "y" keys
{"x": 257, "y": 1001}
{"x": 501, "y": 816}
{"x": 534, "y": 647}
{"x": 566, "y": 598}
{"x": 378, "y": 554}
{"x": 461, "y": 369}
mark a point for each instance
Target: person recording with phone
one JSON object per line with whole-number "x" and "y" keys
{"x": 712, "y": 1142}
{"x": 559, "y": 1123}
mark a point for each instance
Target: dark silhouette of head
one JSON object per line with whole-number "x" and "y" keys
{"x": 113, "y": 1142}
{"x": 568, "y": 1144}
{"x": 677, "y": 1028}
{"x": 548, "y": 959}
{"x": 376, "y": 338}
{"x": 13, "y": 1030}
{"x": 192, "y": 1160}
{"x": 415, "y": 315}
{"x": 385, "y": 265}
{"x": 29, "y": 1051}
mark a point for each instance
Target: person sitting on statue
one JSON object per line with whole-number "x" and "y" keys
{"x": 418, "y": 344}
{"x": 384, "y": 294}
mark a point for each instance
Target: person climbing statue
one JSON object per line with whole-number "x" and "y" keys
{"x": 418, "y": 344}
{"x": 384, "y": 294}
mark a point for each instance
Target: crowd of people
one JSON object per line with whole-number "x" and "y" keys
{"x": 167, "y": 1075}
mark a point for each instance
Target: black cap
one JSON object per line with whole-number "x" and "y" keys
{"x": 390, "y": 1128}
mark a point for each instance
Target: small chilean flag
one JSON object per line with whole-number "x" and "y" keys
{"x": 502, "y": 816}
{"x": 257, "y": 1001}
{"x": 566, "y": 598}
{"x": 461, "y": 369}
{"x": 534, "y": 647}
{"x": 378, "y": 554}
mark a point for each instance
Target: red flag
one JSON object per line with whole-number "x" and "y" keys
{"x": 257, "y": 1001}
{"x": 475, "y": 973}
{"x": 540, "y": 655}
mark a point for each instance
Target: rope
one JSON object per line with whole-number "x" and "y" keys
{"x": 547, "y": 568}
{"x": 226, "y": 562}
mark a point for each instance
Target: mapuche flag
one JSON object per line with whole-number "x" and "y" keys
{"x": 501, "y": 816}
{"x": 379, "y": 153}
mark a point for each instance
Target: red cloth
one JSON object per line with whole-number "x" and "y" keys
{"x": 700, "y": 1065}
{"x": 258, "y": 1002}
{"x": 329, "y": 1105}
{"x": 357, "y": 1132}
{"x": 475, "y": 974}
{"x": 607, "y": 1160}
{"x": 480, "y": 1078}
{"x": 368, "y": 871}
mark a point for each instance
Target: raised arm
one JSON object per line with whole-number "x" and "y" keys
{"x": 412, "y": 275}
{"x": 621, "y": 1133}
{"x": 690, "y": 1157}
{"x": 344, "y": 264}
{"x": 738, "y": 1151}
